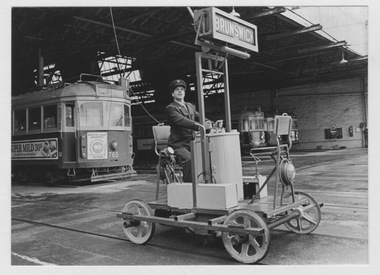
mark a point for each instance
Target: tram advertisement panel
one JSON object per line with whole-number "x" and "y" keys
{"x": 35, "y": 149}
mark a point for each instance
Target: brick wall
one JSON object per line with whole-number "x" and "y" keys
{"x": 324, "y": 105}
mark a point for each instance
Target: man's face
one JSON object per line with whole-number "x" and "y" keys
{"x": 179, "y": 93}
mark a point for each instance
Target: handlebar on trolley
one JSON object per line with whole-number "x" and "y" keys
{"x": 202, "y": 132}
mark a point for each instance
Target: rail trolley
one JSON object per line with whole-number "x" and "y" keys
{"x": 80, "y": 131}
{"x": 215, "y": 203}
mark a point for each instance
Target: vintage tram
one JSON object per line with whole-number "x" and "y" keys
{"x": 251, "y": 128}
{"x": 80, "y": 131}
{"x": 257, "y": 131}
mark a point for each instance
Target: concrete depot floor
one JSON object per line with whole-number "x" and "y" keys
{"x": 77, "y": 225}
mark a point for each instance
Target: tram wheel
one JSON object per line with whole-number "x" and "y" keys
{"x": 310, "y": 214}
{"x": 20, "y": 176}
{"x": 138, "y": 232}
{"x": 246, "y": 248}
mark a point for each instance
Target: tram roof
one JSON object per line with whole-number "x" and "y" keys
{"x": 77, "y": 89}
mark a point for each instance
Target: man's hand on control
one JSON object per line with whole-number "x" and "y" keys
{"x": 208, "y": 124}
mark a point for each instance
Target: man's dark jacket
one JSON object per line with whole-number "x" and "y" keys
{"x": 182, "y": 121}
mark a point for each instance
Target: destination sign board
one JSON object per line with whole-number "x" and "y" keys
{"x": 100, "y": 91}
{"x": 219, "y": 25}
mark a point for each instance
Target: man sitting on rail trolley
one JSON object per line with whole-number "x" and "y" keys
{"x": 183, "y": 121}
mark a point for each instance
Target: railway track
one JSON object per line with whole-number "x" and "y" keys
{"x": 113, "y": 211}
{"x": 100, "y": 222}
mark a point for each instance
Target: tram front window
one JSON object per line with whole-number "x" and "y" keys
{"x": 114, "y": 114}
{"x": 251, "y": 125}
{"x": 260, "y": 124}
{"x": 270, "y": 125}
{"x": 91, "y": 114}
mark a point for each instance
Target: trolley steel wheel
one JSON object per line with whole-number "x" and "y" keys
{"x": 309, "y": 214}
{"x": 246, "y": 248}
{"x": 138, "y": 232}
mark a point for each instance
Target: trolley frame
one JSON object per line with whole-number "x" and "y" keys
{"x": 243, "y": 227}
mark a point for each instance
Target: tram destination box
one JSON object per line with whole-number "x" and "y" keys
{"x": 216, "y": 25}
{"x": 209, "y": 196}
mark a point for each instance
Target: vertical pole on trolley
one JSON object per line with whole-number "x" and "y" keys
{"x": 227, "y": 106}
{"x": 198, "y": 63}
{"x": 193, "y": 173}
{"x": 204, "y": 144}
{"x": 277, "y": 177}
{"x": 277, "y": 164}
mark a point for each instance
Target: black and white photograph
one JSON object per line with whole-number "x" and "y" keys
{"x": 190, "y": 137}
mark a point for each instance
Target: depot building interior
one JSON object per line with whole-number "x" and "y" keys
{"x": 301, "y": 67}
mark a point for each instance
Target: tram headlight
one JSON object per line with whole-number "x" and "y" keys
{"x": 114, "y": 145}
{"x": 287, "y": 172}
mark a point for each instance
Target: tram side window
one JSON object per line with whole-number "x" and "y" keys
{"x": 91, "y": 114}
{"x": 127, "y": 116}
{"x": 50, "y": 116}
{"x": 69, "y": 116}
{"x": 20, "y": 121}
{"x": 34, "y": 118}
{"x": 270, "y": 125}
{"x": 260, "y": 123}
{"x": 252, "y": 124}
{"x": 245, "y": 125}
{"x": 294, "y": 124}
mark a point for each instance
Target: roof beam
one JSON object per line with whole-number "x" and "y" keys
{"x": 149, "y": 12}
{"x": 336, "y": 45}
{"x": 273, "y": 11}
{"x": 110, "y": 26}
{"x": 133, "y": 31}
{"x": 264, "y": 65}
{"x": 286, "y": 34}
{"x": 293, "y": 58}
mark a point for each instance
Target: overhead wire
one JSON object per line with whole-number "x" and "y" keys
{"x": 118, "y": 50}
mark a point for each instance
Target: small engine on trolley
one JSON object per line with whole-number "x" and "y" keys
{"x": 80, "y": 131}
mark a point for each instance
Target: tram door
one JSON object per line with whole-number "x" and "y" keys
{"x": 69, "y": 133}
